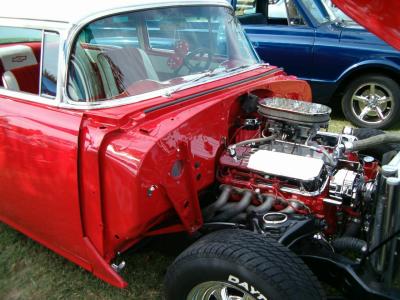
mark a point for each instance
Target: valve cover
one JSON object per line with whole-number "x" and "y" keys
{"x": 281, "y": 164}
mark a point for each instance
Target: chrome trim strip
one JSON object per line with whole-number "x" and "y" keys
{"x": 35, "y": 24}
{"x": 179, "y": 100}
{"x": 333, "y": 202}
{"x": 29, "y": 97}
{"x": 41, "y": 64}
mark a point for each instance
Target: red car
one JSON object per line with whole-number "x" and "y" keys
{"x": 121, "y": 120}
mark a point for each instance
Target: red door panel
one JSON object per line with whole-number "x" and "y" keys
{"x": 38, "y": 173}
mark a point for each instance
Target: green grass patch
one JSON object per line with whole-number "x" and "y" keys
{"x": 31, "y": 271}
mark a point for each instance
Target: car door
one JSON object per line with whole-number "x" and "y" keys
{"x": 279, "y": 32}
{"x": 38, "y": 144}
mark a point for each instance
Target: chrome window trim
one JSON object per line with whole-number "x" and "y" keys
{"x": 30, "y": 97}
{"x": 58, "y": 91}
{"x": 32, "y": 24}
{"x": 67, "y": 102}
{"x": 41, "y": 63}
{"x": 35, "y": 24}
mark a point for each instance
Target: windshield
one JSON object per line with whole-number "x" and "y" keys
{"x": 318, "y": 10}
{"x": 142, "y": 52}
{"x": 335, "y": 13}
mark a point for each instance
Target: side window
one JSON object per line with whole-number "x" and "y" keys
{"x": 21, "y": 56}
{"x": 10, "y": 35}
{"x": 252, "y": 12}
{"x": 293, "y": 15}
{"x": 284, "y": 12}
{"x": 116, "y": 31}
{"x": 51, "y": 41}
{"x": 246, "y": 7}
{"x": 162, "y": 35}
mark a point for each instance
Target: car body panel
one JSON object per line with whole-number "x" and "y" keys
{"x": 90, "y": 179}
{"x": 382, "y": 17}
{"x": 272, "y": 42}
{"x": 81, "y": 179}
{"x": 333, "y": 54}
{"x": 40, "y": 183}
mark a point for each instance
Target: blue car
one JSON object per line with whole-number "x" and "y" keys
{"x": 340, "y": 59}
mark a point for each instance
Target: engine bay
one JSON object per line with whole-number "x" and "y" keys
{"x": 290, "y": 165}
{"x": 285, "y": 176}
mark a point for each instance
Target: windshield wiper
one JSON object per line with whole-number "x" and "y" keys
{"x": 188, "y": 83}
{"x": 210, "y": 73}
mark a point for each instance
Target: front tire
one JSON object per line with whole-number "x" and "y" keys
{"x": 372, "y": 101}
{"x": 242, "y": 265}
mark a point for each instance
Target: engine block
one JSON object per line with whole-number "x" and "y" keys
{"x": 297, "y": 167}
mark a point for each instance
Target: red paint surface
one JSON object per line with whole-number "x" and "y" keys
{"x": 380, "y": 17}
{"x": 78, "y": 182}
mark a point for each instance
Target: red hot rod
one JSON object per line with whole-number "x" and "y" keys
{"x": 121, "y": 120}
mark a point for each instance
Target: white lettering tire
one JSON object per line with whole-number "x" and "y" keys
{"x": 239, "y": 264}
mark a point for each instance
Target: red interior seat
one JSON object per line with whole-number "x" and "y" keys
{"x": 20, "y": 68}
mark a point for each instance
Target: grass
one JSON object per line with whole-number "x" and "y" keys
{"x": 30, "y": 271}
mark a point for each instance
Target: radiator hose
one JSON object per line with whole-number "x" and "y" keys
{"x": 349, "y": 243}
{"x": 372, "y": 142}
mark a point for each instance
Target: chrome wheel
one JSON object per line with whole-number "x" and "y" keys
{"x": 216, "y": 290}
{"x": 372, "y": 103}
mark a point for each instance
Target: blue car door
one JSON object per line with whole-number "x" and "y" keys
{"x": 280, "y": 34}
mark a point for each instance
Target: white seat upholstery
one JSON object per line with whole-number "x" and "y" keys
{"x": 9, "y": 81}
{"x": 17, "y": 56}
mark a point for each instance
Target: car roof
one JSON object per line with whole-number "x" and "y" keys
{"x": 73, "y": 11}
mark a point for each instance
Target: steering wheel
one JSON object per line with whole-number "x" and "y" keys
{"x": 199, "y": 55}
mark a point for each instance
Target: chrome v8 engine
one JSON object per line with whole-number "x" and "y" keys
{"x": 284, "y": 172}
{"x": 287, "y": 155}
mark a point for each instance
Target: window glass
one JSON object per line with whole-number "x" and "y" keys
{"x": 159, "y": 49}
{"x": 317, "y": 9}
{"x": 115, "y": 31}
{"x": 246, "y": 7}
{"x": 294, "y": 17}
{"x": 51, "y": 42}
{"x": 18, "y": 35}
{"x": 20, "y": 53}
{"x": 277, "y": 9}
{"x": 197, "y": 32}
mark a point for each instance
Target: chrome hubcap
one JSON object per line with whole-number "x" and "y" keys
{"x": 216, "y": 290}
{"x": 372, "y": 103}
